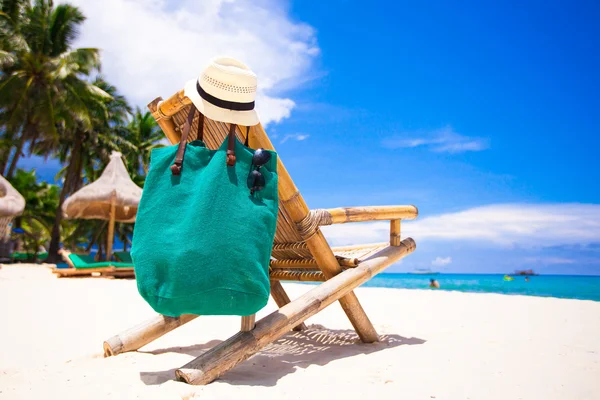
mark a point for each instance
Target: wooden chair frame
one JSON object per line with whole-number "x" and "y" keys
{"x": 301, "y": 253}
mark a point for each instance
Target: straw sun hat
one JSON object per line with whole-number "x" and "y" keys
{"x": 225, "y": 91}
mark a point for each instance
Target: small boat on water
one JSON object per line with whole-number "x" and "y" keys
{"x": 423, "y": 271}
{"x": 508, "y": 278}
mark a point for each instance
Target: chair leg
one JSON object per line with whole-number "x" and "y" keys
{"x": 281, "y": 299}
{"x": 248, "y": 323}
{"x": 226, "y": 355}
{"x": 359, "y": 319}
{"x": 330, "y": 267}
{"x": 144, "y": 333}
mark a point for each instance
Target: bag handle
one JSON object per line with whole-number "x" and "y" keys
{"x": 200, "y": 134}
{"x": 178, "y": 164}
{"x": 231, "y": 159}
{"x": 231, "y": 146}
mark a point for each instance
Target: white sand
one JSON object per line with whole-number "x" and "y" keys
{"x": 441, "y": 345}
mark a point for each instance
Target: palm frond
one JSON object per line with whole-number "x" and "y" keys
{"x": 6, "y": 59}
{"x": 12, "y": 11}
{"x": 14, "y": 120}
{"x": 65, "y": 21}
{"x": 80, "y": 61}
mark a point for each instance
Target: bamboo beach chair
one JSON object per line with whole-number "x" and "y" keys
{"x": 300, "y": 253}
{"x": 82, "y": 265}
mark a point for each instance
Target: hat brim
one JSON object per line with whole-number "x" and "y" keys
{"x": 244, "y": 118}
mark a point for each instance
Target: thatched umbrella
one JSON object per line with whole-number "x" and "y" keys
{"x": 113, "y": 197}
{"x": 12, "y": 204}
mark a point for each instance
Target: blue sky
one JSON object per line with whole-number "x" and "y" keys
{"x": 485, "y": 115}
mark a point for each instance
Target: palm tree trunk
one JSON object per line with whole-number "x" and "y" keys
{"x": 4, "y": 156}
{"x": 100, "y": 250}
{"x": 13, "y": 163}
{"x": 73, "y": 174}
{"x": 9, "y": 139}
{"x": 88, "y": 248}
{"x": 55, "y": 235}
{"x": 95, "y": 237}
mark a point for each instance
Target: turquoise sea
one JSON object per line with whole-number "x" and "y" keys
{"x": 561, "y": 286}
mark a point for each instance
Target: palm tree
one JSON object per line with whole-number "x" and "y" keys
{"x": 11, "y": 12}
{"x": 85, "y": 151}
{"x": 43, "y": 81}
{"x": 49, "y": 106}
{"x": 144, "y": 134}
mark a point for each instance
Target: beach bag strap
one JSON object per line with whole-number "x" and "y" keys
{"x": 200, "y": 134}
{"x": 178, "y": 164}
{"x": 246, "y": 142}
{"x": 231, "y": 146}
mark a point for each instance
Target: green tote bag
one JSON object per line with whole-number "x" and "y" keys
{"x": 205, "y": 227}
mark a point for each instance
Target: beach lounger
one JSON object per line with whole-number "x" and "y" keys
{"x": 85, "y": 265}
{"x": 21, "y": 256}
{"x": 123, "y": 256}
{"x": 300, "y": 253}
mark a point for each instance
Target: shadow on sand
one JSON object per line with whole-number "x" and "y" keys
{"x": 314, "y": 346}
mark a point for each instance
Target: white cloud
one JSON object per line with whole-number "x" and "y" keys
{"x": 524, "y": 225}
{"x": 272, "y": 109}
{"x": 440, "y": 262}
{"x": 151, "y": 48}
{"x": 443, "y": 140}
{"x": 295, "y": 136}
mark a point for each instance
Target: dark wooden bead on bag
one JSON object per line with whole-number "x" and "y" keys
{"x": 230, "y": 158}
{"x": 231, "y": 146}
{"x": 176, "y": 169}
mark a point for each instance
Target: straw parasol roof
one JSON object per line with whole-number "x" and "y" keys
{"x": 11, "y": 201}
{"x": 113, "y": 197}
{"x": 114, "y": 187}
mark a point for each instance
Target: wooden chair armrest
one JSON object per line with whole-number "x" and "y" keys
{"x": 361, "y": 214}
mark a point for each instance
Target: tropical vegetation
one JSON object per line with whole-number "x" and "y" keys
{"x": 54, "y": 103}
